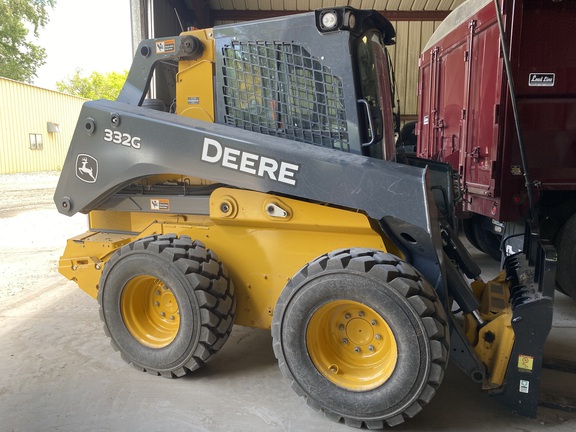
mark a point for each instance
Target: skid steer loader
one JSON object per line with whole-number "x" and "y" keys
{"x": 264, "y": 192}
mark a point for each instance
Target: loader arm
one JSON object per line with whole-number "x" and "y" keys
{"x": 395, "y": 195}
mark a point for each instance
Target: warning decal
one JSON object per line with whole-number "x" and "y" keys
{"x": 525, "y": 363}
{"x": 165, "y": 46}
{"x": 159, "y": 204}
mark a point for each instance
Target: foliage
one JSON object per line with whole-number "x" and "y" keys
{"x": 20, "y": 58}
{"x": 95, "y": 86}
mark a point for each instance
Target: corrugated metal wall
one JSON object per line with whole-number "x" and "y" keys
{"x": 411, "y": 38}
{"x": 26, "y": 110}
{"x": 316, "y": 4}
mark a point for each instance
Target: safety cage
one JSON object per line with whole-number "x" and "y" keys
{"x": 281, "y": 89}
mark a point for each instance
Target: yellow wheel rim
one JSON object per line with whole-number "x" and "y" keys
{"x": 351, "y": 345}
{"x": 150, "y": 311}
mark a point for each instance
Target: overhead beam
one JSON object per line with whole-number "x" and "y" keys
{"x": 202, "y": 12}
{"x": 249, "y": 15}
{"x": 192, "y": 13}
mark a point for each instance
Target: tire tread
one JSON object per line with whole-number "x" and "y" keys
{"x": 212, "y": 288}
{"x": 409, "y": 283}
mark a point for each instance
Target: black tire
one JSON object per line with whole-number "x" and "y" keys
{"x": 482, "y": 239}
{"x": 566, "y": 268}
{"x": 167, "y": 304}
{"x": 154, "y": 104}
{"x": 401, "y": 299}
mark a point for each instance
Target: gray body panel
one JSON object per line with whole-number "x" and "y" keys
{"x": 396, "y": 195}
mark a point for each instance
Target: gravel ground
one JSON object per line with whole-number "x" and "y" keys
{"x": 34, "y": 234}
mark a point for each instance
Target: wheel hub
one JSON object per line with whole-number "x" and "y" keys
{"x": 359, "y": 331}
{"x": 150, "y": 311}
{"x": 351, "y": 345}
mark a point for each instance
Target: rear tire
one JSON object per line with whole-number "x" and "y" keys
{"x": 167, "y": 304}
{"x": 362, "y": 337}
{"x": 482, "y": 239}
{"x": 566, "y": 269}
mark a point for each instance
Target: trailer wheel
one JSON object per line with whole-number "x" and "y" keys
{"x": 565, "y": 270}
{"x": 362, "y": 337}
{"x": 482, "y": 239}
{"x": 167, "y": 304}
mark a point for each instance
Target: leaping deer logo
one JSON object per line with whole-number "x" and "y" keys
{"x": 84, "y": 169}
{"x": 87, "y": 168}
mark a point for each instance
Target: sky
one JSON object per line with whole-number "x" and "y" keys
{"x": 85, "y": 34}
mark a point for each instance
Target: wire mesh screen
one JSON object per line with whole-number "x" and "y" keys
{"x": 280, "y": 89}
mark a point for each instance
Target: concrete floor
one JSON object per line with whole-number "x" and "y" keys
{"x": 58, "y": 371}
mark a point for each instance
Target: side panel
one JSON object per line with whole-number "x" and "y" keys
{"x": 482, "y": 136}
{"x": 268, "y": 249}
{"x": 460, "y": 89}
{"x": 485, "y": 149}
{"x": 544, "y": 68}
{"x": 443, "y": 75}
{"x": 151, "y": 142}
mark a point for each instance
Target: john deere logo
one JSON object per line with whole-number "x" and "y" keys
{"x": 86, "y": 168}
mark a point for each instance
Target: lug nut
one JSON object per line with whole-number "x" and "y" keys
{"x": 171, "y": 317}
{"x": 347, "y": 316}
{"x": 341, "y": 327}
{"x": 158, "y": 292}
{"x": 360, "y": 314}
{"x": 374, "y": 322}
{"x": 156, "y": 303}
{"x": 163, "y": 314}
{"x": 344, "y": 341}
{"x": 370, "y": 348}
{"x": 378, "y": 337}
{"x": 357, "y": 349}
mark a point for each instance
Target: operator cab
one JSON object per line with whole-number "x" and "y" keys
{"x": 328, "y": 86}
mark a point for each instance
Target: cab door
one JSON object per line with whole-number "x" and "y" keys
{"x": 376, "y": 97}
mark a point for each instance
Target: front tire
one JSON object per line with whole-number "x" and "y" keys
{"x": 362, "y": 337}
{"x": 167, "y": 304}
{"x": 566, "y": 270}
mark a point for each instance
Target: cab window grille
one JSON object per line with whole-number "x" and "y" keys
{"x": 280, "y": 89}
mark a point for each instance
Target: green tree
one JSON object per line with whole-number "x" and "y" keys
{"x": 20, "y": 58}
{"x": 95, "y": 86}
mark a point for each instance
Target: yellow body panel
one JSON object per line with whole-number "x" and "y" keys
{"x": 493, "y": 342}
{"x": 194, "y": 81}
{"x": 85, "y": 255}
{"x": 495, "y": 354}
{"x": 263, "y": 240}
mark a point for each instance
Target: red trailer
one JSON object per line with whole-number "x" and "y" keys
{"x": 466, "y": 119}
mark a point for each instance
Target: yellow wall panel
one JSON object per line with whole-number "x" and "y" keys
{"x": 25, "y": 110}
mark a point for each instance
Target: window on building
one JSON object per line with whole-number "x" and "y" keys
{"x": 36, "y": 142}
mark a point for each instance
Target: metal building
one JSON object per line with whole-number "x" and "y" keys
{"x": 36, "y": 127}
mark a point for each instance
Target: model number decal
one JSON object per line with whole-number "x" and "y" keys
{"x": 122, "y": 138}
